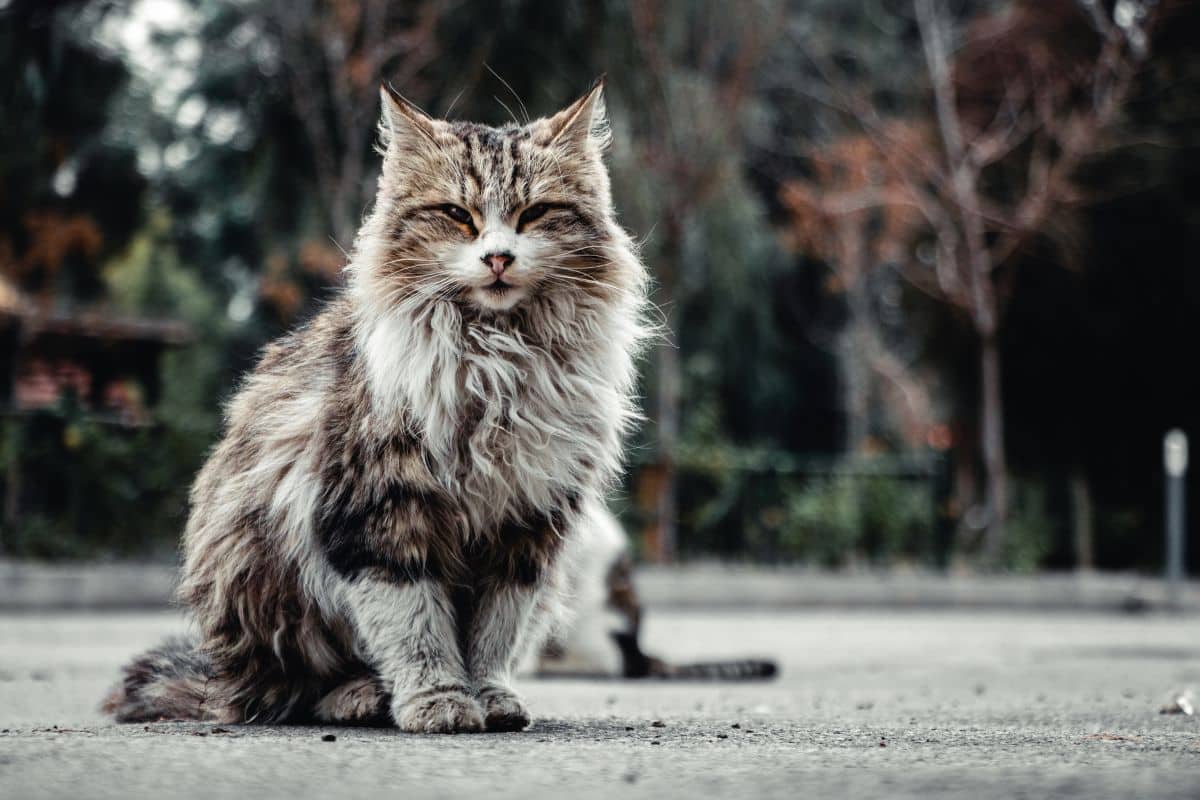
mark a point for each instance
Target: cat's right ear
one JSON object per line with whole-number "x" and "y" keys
{"x": 584, "y": 123}
{"x": 402, "y": 124}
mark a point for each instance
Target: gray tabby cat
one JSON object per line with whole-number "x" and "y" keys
{"x": 386, "y": 527}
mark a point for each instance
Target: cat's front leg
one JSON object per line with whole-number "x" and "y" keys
{"x": 512, "y": 573}
{"x": 409, "y": 632}
{"x": 502, "y": 613}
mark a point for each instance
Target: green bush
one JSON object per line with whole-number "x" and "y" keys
{"x": 880, "y": 519}
{"x": 89, "y": 489}
{"x": 1029, "y": 534}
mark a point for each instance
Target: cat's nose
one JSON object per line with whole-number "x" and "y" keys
{"x": 498, "y": 262}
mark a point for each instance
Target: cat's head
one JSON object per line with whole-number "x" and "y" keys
{"x": 493, "y": 218}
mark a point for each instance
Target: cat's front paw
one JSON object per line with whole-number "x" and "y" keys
{"x": 503, "y": 709}
{"x": 439, "y": 711}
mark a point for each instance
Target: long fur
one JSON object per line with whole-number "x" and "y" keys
{"x": 380, "y": 531}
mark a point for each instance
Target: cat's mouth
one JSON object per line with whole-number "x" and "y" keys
{"x": 499, "y": 295}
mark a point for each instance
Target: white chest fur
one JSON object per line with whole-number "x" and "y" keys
{"x": 510, "y": 417}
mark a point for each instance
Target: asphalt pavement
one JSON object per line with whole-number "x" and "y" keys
{"x": 868, "y": 704}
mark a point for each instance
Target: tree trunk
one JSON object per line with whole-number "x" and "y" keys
{"x": 13, "y": 484}
{"x": 995, "y": 462}
{"x": 664, "y": 545}
{"x": 668, "y": 439}
{"x": 855, "y": 392}
{"x": 1082, "y": 520}
{"x": 853, "y": 344}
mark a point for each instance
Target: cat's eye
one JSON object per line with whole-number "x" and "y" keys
{"x": 459, "y": 215}
{"x": 532, "y": 214}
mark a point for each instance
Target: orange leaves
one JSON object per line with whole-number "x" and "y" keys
{"x": 807, "y": 220}
{"x": 321, "y": 260}
{"x": 279, "y": 290}
{"x": 360, "y": 70}
{"x": 858, "y": 201}
{"x": 54, "y": 236}
{"x": 280, "y": 286}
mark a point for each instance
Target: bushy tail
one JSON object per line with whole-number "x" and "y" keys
{"x": 169, "y": 682}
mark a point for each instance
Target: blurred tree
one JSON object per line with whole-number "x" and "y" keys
{"x": 74, "y": 232}
{"x": 333, "y": 54}
{"x": 677, "y": 166}
{"x": 1010, "y": 94}
{"x": 993, "y": 165}
{"x": 1093, "y": 377}
{"x": 235, "y": 136}
{"x": 696, "y": 65}
{"x": 853, "y": 213}
{"x": 57, "y": 166}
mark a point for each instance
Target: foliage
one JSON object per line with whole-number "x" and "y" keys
{"x": 98, "y": 490}
{"x": 845, "y": 519}
{"x": 1030, "y": 530}
{"x": 209, "y": 171}
{"x": 57, "y": 168}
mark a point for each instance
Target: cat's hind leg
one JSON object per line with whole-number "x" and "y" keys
{"x": 360, "y": 700}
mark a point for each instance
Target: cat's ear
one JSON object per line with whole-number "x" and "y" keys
{"x": 584, "y": 123}
{"x": 402, "y": 123}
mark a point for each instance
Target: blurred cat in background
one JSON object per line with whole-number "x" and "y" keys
{"x": 601, "y": 637}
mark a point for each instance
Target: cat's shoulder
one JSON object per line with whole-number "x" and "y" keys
{"x": 324, "y": 339}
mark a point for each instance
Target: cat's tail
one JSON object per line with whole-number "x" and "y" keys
{"x": 744, "y": 669}
{"x": 640, "y": 665}
{"x": 172, "y": 681}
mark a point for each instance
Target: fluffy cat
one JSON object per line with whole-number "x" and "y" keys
{"x": 387, "y": 525}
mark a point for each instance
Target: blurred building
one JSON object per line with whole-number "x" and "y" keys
{"x": 62, "y": 368}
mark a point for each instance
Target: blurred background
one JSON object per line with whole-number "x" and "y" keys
{"x": 928, "y": 266}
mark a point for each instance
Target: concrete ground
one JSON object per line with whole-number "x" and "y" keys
{"x": 869, "y": 704}
{"x": 28, "y": 586}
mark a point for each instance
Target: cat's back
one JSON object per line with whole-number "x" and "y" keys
{"x": 307, "y": 361}
{"x": 274, "y": 417}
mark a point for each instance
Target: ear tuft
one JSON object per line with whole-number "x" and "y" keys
{"x": 584, "y": 123}
{"x": 402, "y": 123}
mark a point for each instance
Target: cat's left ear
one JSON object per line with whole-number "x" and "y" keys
{"x": 584, "y": 123}
{"x": 403, "y": 124}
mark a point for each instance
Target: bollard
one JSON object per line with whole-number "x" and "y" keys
{"x": 1175, "y": 458}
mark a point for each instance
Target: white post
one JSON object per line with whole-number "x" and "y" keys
{"x": 1175, "y": 459}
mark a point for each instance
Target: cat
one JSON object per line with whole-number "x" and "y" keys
{"x": 602, "y": 637}
{"x": 389, "y": 522}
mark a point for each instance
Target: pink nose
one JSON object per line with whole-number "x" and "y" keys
{"x": 498, "y": 262}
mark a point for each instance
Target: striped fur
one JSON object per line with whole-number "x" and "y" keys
{"x": 381, "y": 530}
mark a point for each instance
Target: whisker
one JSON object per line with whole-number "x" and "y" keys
{"x": 520, "y": 102}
